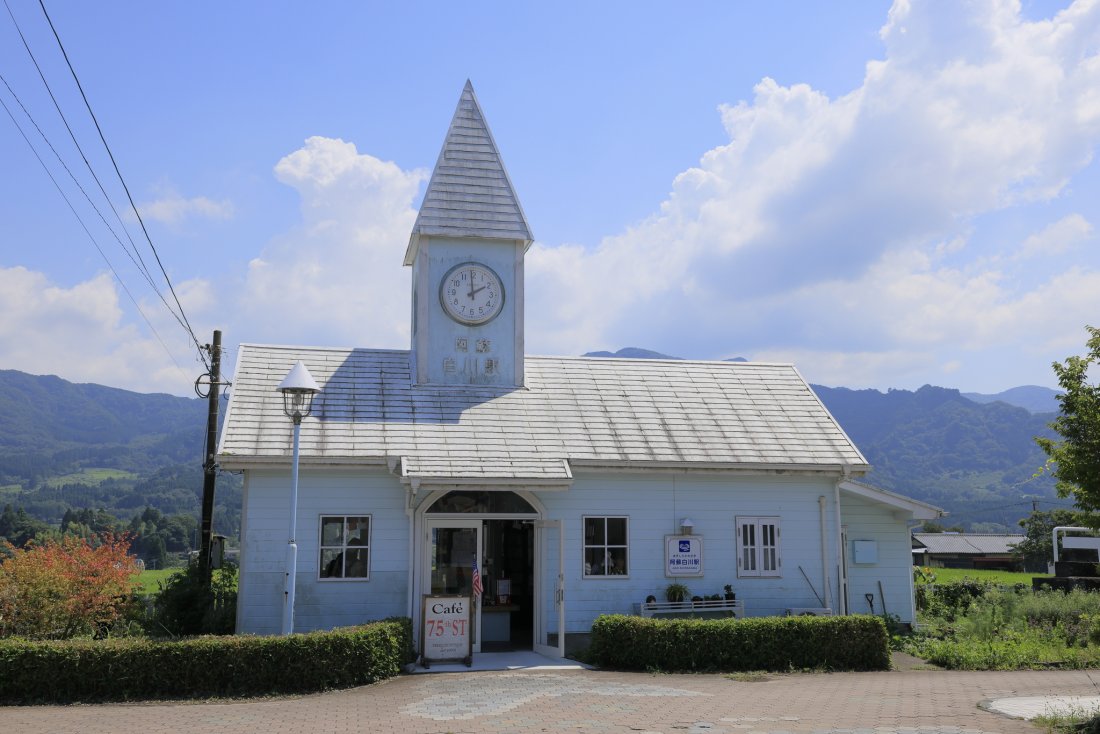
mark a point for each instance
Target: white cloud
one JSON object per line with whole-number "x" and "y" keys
{"x": 849, "y": 234}
{"x": 79, "y": 333}
{"x": 338, "y": 278}
{"x": 173, "y": 209}
{"x": 1056, "y": 238}
{"x": 825, "y": 226}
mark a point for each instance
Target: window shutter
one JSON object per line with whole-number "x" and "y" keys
{"x": 758, "y": 546}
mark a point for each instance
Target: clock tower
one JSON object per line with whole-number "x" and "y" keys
{"x": 466, "y": 253}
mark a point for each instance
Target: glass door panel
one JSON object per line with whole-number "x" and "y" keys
{"x": 454, "y": 549}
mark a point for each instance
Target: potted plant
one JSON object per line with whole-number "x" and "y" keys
{"x": 677, "y": 592}
{"x": 730, "y": 596}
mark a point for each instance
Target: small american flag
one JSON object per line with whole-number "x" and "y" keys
{"x": 478, "y": 588}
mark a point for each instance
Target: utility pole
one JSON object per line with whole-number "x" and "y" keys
{"x": 209, "y": 466}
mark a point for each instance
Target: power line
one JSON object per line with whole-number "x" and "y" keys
{"x": 133, "y": 206}
{"x": 140, "y": 262}
{"x": 139, "y": 265}
{"x": 91, "y": 237}
{"x": 91, "y": 203}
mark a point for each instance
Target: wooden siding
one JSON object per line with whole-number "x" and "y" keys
{"x": 870, "y": 521}
{"x": 654, "y": 503}
{"x": 655, "y": 506}
{"x": 321, "y": 604}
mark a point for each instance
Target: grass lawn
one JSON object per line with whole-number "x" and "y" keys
{"x": 949, "y": 575}
{"x": 149, "y": 580}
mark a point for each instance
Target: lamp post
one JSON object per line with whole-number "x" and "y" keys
{"x": 298, "y": 389}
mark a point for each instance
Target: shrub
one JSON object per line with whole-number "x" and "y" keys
{"x": 951, "y": 599}
{"x": 137, "y": 668}
{"x": 187, "y": 605}
{"x": 763, "y": 643}
{"x": 58, "y": 589}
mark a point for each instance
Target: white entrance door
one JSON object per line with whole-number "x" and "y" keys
{"x": 454, "y": 551}
{"x": 549, "y": 613}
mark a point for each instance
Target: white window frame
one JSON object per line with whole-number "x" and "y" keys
{"x": 585, "y": 545}
{"x": 758, "y": 542}
{"x": 344, "y": 547}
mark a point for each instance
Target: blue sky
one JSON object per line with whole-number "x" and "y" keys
{"x": 887, "y": 195}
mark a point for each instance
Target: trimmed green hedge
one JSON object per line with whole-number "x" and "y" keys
{"x": 761, "y": 643}
{"x": 128, "y": 669}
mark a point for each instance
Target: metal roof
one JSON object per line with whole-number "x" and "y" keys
{"x": 469, "y": 194}
{"x": 573, "y": 411}
{"x": 967, "y": 543}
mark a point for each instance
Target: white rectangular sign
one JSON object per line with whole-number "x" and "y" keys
{"x": 683, "y": 555}
{"x": 446, "y": 631}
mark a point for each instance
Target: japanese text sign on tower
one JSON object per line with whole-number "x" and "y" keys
{"x": 446, "y": 634}
{"x": 683, "y": 555}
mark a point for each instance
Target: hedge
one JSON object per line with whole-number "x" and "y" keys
{"x": 127, "y": 669}
{"x": 762, "y": 643}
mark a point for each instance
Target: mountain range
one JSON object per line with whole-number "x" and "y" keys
{"x": 66, "y": 446}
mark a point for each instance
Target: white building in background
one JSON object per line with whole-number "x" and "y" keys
{"x": 565, "y": 478}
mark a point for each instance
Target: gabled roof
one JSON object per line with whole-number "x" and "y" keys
{"x": 572, "y": 412}
{"x": 469, "y": 194}
{"x": 967, "y": 543}
{"x": 917, "y": 510}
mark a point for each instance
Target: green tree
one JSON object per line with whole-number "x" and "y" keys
{"x": 1036, "y": 549}
{"x": 1074, "y": 459}
{"x": 17, "y": 527}
{"x": 932, "y": 526}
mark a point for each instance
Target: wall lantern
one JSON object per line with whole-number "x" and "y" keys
{"x": 686, "y": 526}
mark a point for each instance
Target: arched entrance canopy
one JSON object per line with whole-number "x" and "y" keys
{"x": 474, "y": 501}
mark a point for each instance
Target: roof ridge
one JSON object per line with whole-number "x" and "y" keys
{"x": 465, "y": 200}
{"x": 621, "y": 360}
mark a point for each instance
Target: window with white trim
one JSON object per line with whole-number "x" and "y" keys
{"x": 605, "y": 546}
{"x": 345, "y": 547}
{"x": 758, "y": 546}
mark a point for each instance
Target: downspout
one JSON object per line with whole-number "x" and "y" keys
{"x": 842, "y": 592}
{"x": 410, "y": 510}
{"x": 824, "y": 553}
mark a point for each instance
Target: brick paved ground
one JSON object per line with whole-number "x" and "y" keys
{"x": 910, "y": 702}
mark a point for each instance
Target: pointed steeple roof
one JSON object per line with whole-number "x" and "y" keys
{"x": 469, "y": 194}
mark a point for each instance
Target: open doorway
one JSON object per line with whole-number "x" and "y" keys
{"x": 508, "y": 604}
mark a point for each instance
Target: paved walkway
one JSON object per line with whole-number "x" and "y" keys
{"x": 534, "y": 700}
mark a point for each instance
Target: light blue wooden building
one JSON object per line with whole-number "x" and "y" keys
{"x": 570, "y": 481}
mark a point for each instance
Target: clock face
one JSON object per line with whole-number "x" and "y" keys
{"x": 471, "y": 293}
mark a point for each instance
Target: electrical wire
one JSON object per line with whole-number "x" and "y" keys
{"x": 139, "y": 262}
{"x": 91, "y": 203}
{"x": 184, "y": 320}
{"x": 91, "y": 237}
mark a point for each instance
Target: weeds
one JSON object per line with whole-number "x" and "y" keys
{"x": 985, "y": 628}
{"x": 1071, "y": 721}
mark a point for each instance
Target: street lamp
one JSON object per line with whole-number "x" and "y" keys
{"x": 298, "y": 389}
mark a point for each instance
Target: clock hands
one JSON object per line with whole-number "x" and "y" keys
{"x": 474, "y": 291}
